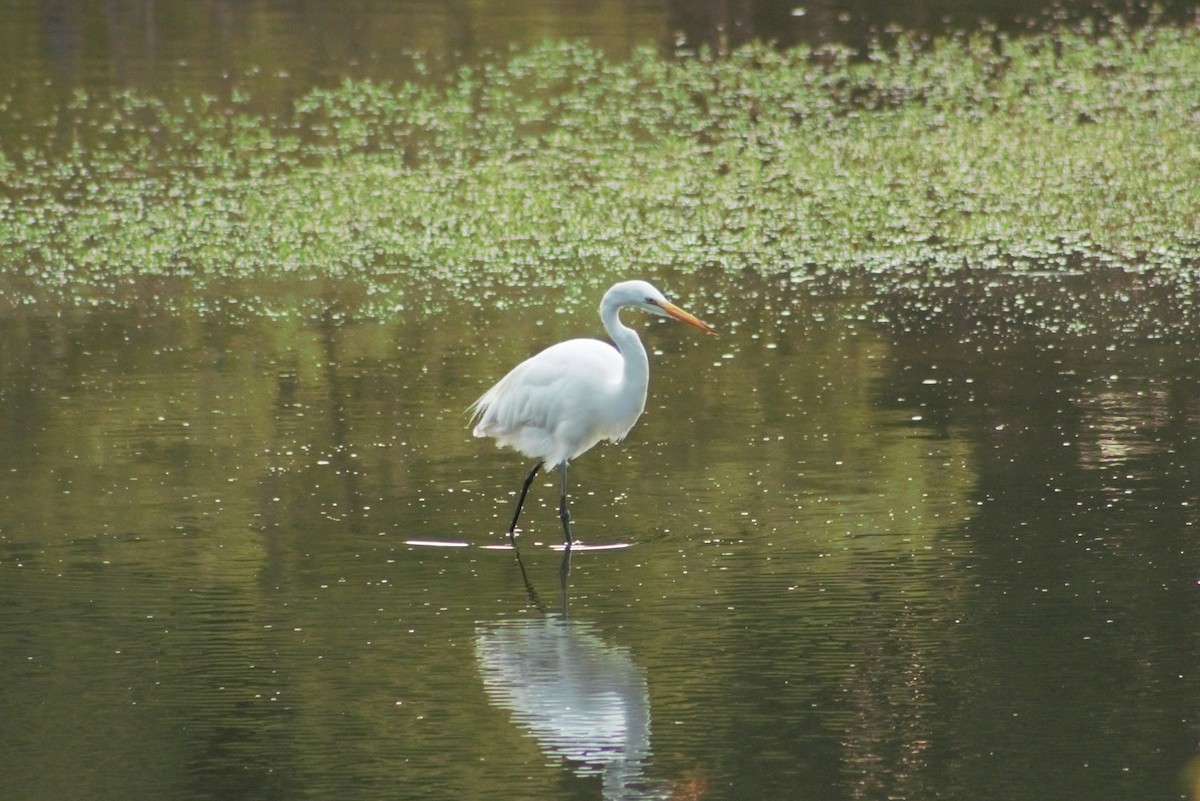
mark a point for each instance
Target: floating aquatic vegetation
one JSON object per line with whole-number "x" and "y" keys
{"x": 1058, "y": 152}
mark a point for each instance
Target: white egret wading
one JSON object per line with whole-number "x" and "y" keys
{"x": 556, "y": 405}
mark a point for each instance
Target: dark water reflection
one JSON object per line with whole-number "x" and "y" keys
{"x": 866, "y": 561}
{"x": 269, "y": 52}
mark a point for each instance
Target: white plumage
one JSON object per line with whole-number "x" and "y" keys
{"x": 558, "y": 404}
{"x": 561, "y": 402}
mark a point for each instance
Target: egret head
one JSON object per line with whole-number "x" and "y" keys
{"x": 644, "y": 296}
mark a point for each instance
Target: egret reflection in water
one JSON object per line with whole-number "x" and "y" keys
{"x": 584, "y": 700}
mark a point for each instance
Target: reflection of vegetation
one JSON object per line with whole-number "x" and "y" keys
{"x": 557, "y": 161}
{"x": 820, "y": 584}
{"x": 226, "y": 499}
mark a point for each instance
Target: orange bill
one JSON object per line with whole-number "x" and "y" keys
{"x": 683, "y": 317}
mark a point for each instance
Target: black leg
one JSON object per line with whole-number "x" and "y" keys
{"x": 512, "y": 530}
{"x": 563, "y": 514}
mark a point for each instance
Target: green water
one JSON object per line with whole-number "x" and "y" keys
{"x": 860, "y": 562}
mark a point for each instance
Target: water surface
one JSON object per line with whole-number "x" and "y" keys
{"x": 862, "y": 562}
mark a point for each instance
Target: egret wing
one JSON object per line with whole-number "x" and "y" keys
{"x": 551, "y": 405}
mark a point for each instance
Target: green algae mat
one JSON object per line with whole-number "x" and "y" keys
{"x": 560, "y": 166}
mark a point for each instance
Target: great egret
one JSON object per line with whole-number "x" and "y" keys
{"x": 556, "y": 405}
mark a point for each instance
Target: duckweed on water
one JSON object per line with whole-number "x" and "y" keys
{"x": 561, "y": 166}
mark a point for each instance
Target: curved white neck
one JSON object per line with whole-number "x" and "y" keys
{"x": 637, "y": 363}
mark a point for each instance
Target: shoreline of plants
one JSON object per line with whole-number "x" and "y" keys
{"x": 975, "y": 155}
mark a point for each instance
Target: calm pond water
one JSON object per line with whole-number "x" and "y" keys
{"x": 928, "y": 544}
{"x": 862, "y": 563}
